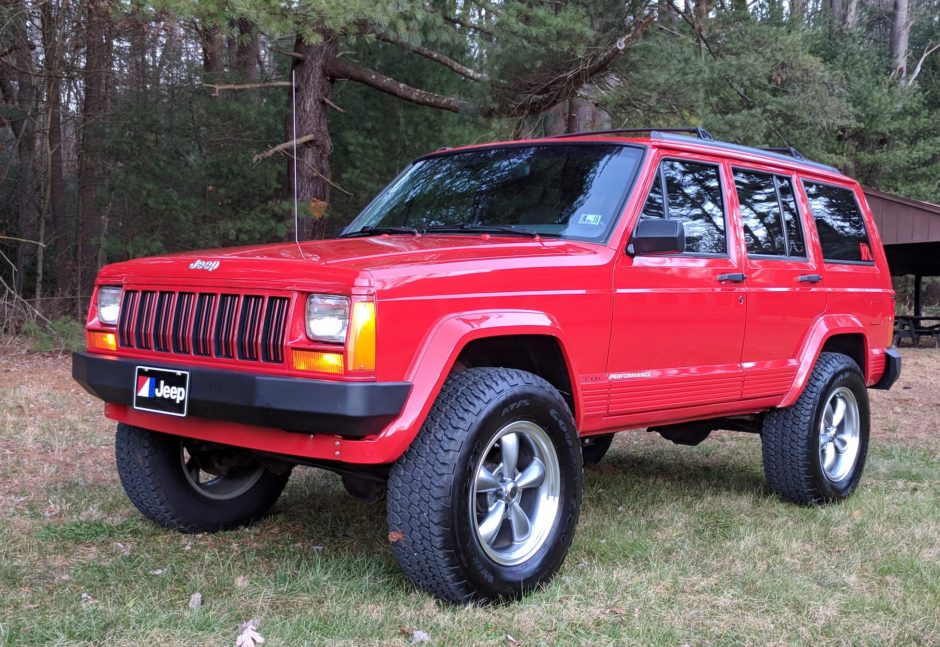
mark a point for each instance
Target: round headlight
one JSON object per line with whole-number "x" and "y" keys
{"x": 109, "y": 305}
{"x": 327, "y": 317}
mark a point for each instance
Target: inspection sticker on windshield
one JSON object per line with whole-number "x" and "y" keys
{"x": 590, "y": 219}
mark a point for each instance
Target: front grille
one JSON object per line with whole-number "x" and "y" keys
{"x": 248, "y": 327}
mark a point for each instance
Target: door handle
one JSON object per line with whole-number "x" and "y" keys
{"x": 733, "y": 278}
{"x": 810, "y": 278}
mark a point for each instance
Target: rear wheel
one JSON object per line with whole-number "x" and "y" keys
{"x": 193, "y": 487}
{"x": 594, "y": 448}
{"x": 484, "y": 503}
{"x": 814, "y": 451}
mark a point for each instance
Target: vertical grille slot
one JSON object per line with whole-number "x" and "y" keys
{"x": 181, "y": 318}
{"x": 126, "y": 321}
{"x": 143, "y": 324}
{"x": 163, "y": 315}
{"x": 224, "y": 334}
{"x": 272, "y": 333}
{"x": 202, "y": 324}
{"x": 249, "y": 326}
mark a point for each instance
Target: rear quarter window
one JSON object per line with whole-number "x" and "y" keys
{"x": 839, "y": 221}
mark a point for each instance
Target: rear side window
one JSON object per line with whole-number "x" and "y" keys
{"x": 840, "y": 224}
{"x": 690, "y": 192}
{"x": 769, "y": 214}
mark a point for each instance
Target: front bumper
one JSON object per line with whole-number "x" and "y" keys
{"x": 351, "y": 409}
{"x": 892, "y": 370}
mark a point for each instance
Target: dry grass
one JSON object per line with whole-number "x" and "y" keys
{"x": 676, "y": 546}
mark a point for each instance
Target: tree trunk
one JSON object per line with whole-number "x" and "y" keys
{"x": 27, "y": 128}
{"x": 91, "y": 163}
{"x": 213, "y": 54}
{"x": 246, "y": 54}
{"x": 796, "y": 11}
{"x": 313, "y": 157}
{"x": 900, "y": 35}
{"x": 60, "y": 238}
{"x": 836, "y": 15}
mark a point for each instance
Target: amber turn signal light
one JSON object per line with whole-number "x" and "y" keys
{"x": 101, "y": 341}
{"x": 360, "y": 351}
{"x": 318, "y": 361}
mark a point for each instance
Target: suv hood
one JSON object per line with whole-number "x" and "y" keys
{"x": 348, "y": 261}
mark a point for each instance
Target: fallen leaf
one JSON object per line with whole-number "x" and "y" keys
{"x": 512, "y": 642}
{"x": 396, "y": 536}
{"x": 241, "y": 582}
{"x": 87, "y": 600}
{"x": 248, "y": 635}
{"x": 418, "y": 637}
{"x": 617, "y": 611}
{"x": 856, "y": 514}
{"x": 158, "y": 571}
{"x": 195, "y": 600}
{"x": 125, "y": 550}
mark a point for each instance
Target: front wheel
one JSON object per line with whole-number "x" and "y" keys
{"x": 484, "y": 503}
{"x": 191, "y": 486}
{"x": 814, "y": 451}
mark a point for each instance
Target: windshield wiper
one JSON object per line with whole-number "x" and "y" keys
{"x": 376, "y": 231}
{"x": 485, "y": 229}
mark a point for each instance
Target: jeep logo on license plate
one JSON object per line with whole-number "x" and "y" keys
{"x": 161, "y": 391}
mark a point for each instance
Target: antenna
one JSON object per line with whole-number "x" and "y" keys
{"x": 293, "y": 110}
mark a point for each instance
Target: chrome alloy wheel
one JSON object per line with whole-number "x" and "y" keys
{"x": 514, "y": 498}
{"x": 220, "y": 487}
{"x": 839, "y": 434}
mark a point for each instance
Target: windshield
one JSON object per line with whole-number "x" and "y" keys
{"x": 561, "y": 190}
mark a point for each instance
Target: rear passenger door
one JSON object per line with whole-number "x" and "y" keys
{"x": 679, "y": 319}
{"x": 784, "y": 280}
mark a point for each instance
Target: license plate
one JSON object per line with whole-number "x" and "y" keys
{"x": 161, "y": 391}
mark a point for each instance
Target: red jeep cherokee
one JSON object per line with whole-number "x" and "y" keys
{"x": 483, "y": 328}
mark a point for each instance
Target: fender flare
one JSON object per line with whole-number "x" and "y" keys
{"x": 438, "y": 353}
{"x": 823, "y": 328}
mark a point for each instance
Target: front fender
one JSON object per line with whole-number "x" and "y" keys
{"x": 823, "y": 328}
{"x": 438, "y": 353}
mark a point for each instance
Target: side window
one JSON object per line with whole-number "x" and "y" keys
{"x": 791, "y": 218}
{"x": 769, "y": 214}
{"x": 839, "y": 221}
{"x": 760, "y": 213}
{"x": 690, "y": 192}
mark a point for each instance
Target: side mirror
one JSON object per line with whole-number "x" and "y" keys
{"x": 657, "y": 236}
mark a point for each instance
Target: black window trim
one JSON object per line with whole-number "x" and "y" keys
{"x": 851, "y": 189}
{"x": 662, "y": 180}
{"x": 786, "y": 236}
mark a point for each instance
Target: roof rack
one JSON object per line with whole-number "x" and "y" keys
{"x": 785, "y": 150}
{"x": 701, "y": 133}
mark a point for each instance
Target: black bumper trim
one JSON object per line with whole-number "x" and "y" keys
{"x": 892, "y": 370}
{"x": 354, "y": 409}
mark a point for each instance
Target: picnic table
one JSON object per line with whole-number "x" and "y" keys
{"x": 914, "y": 327}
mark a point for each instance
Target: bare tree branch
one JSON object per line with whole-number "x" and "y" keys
{"x": 920, "y": 64}
{"x": 567, "y": 84}
{"x": 22, "y": 240}
{"x": 344, "y": 69}
{"x": 466, "y": 25}
{"x": 280, "y": 148}
{"x": 217, "y": 88}
{"x": 431, "y": 55}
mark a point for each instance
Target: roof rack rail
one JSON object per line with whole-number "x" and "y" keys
{"x": 785, "y": 150}
{"x": 701, "y": 133}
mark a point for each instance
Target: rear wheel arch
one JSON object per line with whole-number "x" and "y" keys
{"x": 851, "y": 345}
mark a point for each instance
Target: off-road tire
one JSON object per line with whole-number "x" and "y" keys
{"x": 594, "y": 448}
{"x": 791, "y": 436}
{"x": 153, "y": 477}
{"x": 430, "y": 487}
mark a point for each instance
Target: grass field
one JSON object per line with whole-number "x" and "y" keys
{"x": 676, "y": 546}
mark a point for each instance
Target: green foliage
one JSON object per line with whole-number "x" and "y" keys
{"x": 62, "y": 334}
{"x": 183, "y": 176}
{"x": 762, "y": 82}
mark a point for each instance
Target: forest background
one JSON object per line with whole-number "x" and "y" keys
{"x": 130, "y": 128}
